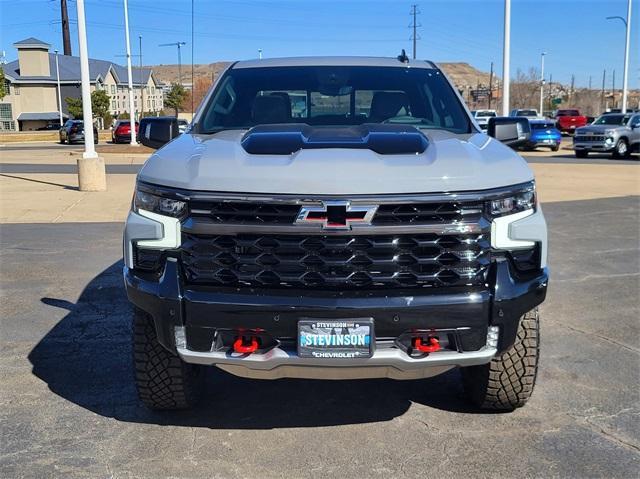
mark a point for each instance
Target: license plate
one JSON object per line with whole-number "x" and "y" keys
{"x": 342, "y": 339}
{"x": 547, "y": 141}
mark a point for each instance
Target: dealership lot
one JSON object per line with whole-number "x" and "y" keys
{"x": 68, "y": 404}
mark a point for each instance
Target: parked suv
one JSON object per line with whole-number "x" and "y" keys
{"x": 615, "y": 133}
{"x": 378, "y": 234}
{"x": 73, "y": 132}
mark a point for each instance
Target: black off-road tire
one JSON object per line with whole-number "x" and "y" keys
{"x": 581, "y": 153}
{"x": 555, "y": 148}
{"x": 507, "y": 382}
{"x": 163, "y": 380}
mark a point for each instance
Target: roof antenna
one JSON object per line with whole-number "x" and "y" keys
{"x": 403, "y": 57}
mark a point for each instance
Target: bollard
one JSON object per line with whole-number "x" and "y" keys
{"x": 91, "y": 174}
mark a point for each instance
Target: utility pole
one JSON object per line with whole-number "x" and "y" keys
{"x": 573, "y": 81}
{"x": 59, "y": 95}
{"x": 490, "y": 86}
{"x": 506, "y": 53}
{"x": 132, "y": 108}
{"x": 91, "y": 170}
{"x": 414, "y": 14}
{"x": 542, "y": 81}
{"x": 613, "y": 90}
{"x": 589, "y": 82}
{"x": 64, "y": 17}
{"x": 604, "y": 79}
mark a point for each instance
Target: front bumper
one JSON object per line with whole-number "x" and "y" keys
{"x": 594, "y": 146}
{"x": 196, "y": 314}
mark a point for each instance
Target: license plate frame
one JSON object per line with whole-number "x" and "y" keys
{"x": 331, "y": 344}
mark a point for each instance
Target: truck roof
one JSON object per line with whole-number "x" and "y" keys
{"x": 333, "y": 61}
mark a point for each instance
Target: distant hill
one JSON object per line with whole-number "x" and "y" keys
{"x": 462, "y": 74}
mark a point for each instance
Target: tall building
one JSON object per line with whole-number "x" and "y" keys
{"x": 31, "y": 82}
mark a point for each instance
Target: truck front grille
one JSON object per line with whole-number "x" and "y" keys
{"x": 588, "y": 139}
{"x": 336, "y": 262}
{"x": 250, "y": 213}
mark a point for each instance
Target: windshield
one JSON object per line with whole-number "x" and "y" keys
{"x": 527, "y": 113}
{"x": 612, "y": 120}
{"x": 334, "y": 96}
{"x": 480, "y": 114}
{"x": 568, "y": 113}
{"x": 542, "y": 126}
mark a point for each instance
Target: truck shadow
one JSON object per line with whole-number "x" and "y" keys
{"x": 86, "y": 359}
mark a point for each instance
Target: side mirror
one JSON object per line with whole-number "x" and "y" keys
{"x": 156, "y": 132}
{"x": 511, "y": 131}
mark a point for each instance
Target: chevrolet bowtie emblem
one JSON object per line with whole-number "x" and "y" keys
{"x": 336, "y": 215}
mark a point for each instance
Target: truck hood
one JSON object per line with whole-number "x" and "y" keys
{"x": 596, "y": 129}
{"x": 450, "y": 163}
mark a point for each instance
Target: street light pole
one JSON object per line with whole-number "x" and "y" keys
{"x": 91, "y": 170}
{"x": 506, "y": 54}
{"x": 59, "y": 95}
{"x": 142, "y": 84}
{"x": 132, "y": 108}
{"x": 179, "y": 45}
{"x": 542, "y": 82}
{"x": 625, "y": 75}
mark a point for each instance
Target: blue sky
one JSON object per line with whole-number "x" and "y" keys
{"x": 575, "y": 33}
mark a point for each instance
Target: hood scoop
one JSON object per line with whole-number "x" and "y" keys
{"x": 285, "y": 139}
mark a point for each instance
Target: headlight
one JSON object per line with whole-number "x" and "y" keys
{"x": 143, "y": 200}
{"x": 508, "y": 205}
{"x": 609, "y": 132}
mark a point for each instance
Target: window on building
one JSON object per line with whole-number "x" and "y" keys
{"x": 113, "y": 104}
{"x": 113, "y": 89}
{"x": 16, "y": 89}
{"x": 154, "y": 104}
{"x": 149, "y": 103}
{"x": 6, "y": 117}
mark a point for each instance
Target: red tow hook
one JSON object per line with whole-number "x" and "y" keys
{"x": 240, "y": 346}
{"x": 431, "y": 346}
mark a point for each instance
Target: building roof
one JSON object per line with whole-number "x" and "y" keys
{"x": 45, "y": 115}
{"x": 31, "y": 42}
{"x": 70, "y": 71}
{"x": 332, "y": 61}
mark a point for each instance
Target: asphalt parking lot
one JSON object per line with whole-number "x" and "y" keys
{"x": 68, "y": 406}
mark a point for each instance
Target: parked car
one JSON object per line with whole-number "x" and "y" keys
{"x": 482, "y": 117}
{"x": 182, "y": 125}
{"x": 525, "y": 112}
{"x": 543, "y": 133}
{"x": 121, "y": 132}
{"x": 568, "y": 120}
{"x": 73, "y": 132}
{"x": 271, "y": 245}
{"x": 615, "y": 133}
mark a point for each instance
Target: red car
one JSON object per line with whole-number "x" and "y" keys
{"x": 121, "y": 132}
{"x": 568, "y": 120}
